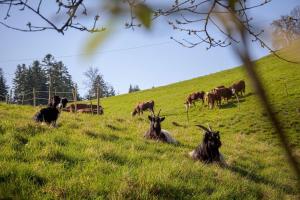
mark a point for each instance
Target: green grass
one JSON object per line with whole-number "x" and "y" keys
{"x": 106, "y": 157}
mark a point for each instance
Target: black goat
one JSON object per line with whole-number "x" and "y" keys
{"x": 155, "y": 132}
{"x": 51, "y": 113}
{"x": 208, "y": 150}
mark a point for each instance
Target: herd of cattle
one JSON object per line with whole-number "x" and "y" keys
{"x": 207, "y": 151}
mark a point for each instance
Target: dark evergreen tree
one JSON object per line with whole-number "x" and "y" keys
{"x": 41, "y": 76}
{"x": 3, "y": 86}
{"x": 58, "y": 77}
{"x": 21, "y": 83}
{"x": 133, "y": 88}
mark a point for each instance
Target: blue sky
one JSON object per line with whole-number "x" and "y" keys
{"x": 145, "y": 58}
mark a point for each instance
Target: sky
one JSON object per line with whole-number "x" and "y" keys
{"x": 139, "y": 57}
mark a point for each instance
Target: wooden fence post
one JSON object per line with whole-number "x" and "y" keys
{"x": 49, "y": 90}
{"x": 10, "y": 96}
{"x": 98, "y": 101}
{"x": 33, "y": 93}
{"x": 75, "y": 98}
{"x": 23, "y": 94}
{"x": 7, "y": 98}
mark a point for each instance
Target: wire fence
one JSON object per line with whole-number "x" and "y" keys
{"x": 39, "y": 98}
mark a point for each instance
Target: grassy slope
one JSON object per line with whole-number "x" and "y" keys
{"x": 107, "y": 157}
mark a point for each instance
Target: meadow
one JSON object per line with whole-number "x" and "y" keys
{"x": 106, "y": 157}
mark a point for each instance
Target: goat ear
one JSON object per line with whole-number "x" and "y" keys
{"x": 150, "y": 117}
{"x": 161, "y": 119}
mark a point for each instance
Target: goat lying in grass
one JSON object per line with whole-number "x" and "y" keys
{"x": 208, "y": 150}
{"x": 156, "y": 133}
{"x": 51, "y": 113}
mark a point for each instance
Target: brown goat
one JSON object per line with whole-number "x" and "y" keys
{"x": 192, "y": 98}
{"x": 238, "y": 87}
{"x": 225, "y": 93}
{"x": 212, "y": 98}
{"x": 143, "y": 106}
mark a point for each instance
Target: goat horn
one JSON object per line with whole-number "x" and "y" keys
{"x": 209, "y": 128}
{"x": 158, "y": 112}
{"x": 203, "y": 127}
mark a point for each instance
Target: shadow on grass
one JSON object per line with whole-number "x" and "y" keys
{"x": 260, "y": 179}
{"x": 114, "y": 158}
{"x": 115, "y": 128}
{"x": 104, "y": 137}
{"x": 178, "y": 125}
{"x": 29, "y": 175}
{"x": 228, "y": 105}
{"x": 168, "y": 191}
{"x": 247, "y": 95}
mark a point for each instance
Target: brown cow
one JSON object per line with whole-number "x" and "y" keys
{"x": 143, "y": 106}
{"x": 192, "y": 98}
{"x": 84, "y": 108}
{"x": 223, "y": 92}
{"x": 238, "y": 87}
{"x": 212, "y": 98}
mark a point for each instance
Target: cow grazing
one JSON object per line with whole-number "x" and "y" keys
{"x": 239, "y": 87}
{"x": 50, "y": 114}
{"x": 155, "y": 132}
{"x": 84, "y": 108}
{"x": 208, "y": 150}
{"x": 140, "y": 107}
{"x": 213, "y": 98}
{"x": 192, "y": 98}
{"x": 223, "y": 92}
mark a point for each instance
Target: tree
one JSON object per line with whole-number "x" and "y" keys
{"x": 133, "y": 88}
{"x": 20, "y": 82}
{"x": 3, "y": 86}
{"x": 95, "y": 80}
{"x": 41, "y": 76}
{"x": 286, "y": 29}
{"x": 28, "y": 78}
{"x": 58, "y": 77}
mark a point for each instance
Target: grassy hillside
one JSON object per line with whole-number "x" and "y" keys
{"x": 106, "y": 157}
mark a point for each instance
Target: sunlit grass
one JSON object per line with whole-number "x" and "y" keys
{"x": 89, "y": 157}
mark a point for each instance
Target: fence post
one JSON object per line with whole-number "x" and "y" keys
{"x": 91, "y": 105}
{"x": 33, "y": 92}
{"x": 49, "y": 90}
{"x": 98, "y": 101}
{"x": 7, "y": 97}
{"x": 75, "y": 98}
{"x": 23, "y": 98}
{"x": 10, "y": 96}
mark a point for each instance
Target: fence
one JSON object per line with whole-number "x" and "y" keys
{"x": 36, "y": 97}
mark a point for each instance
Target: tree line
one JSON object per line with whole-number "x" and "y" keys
{"x": 50, "y": 76}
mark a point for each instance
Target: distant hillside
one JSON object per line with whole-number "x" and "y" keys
{"x": 106, "y": 157}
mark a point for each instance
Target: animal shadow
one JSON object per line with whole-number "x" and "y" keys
{"x": 114, "y": 128}
{"x": 248, "y": 94}
{"x": 178, "y": 125}
{"x": 260, "y": 179}
{"x": 228, "y": 105}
